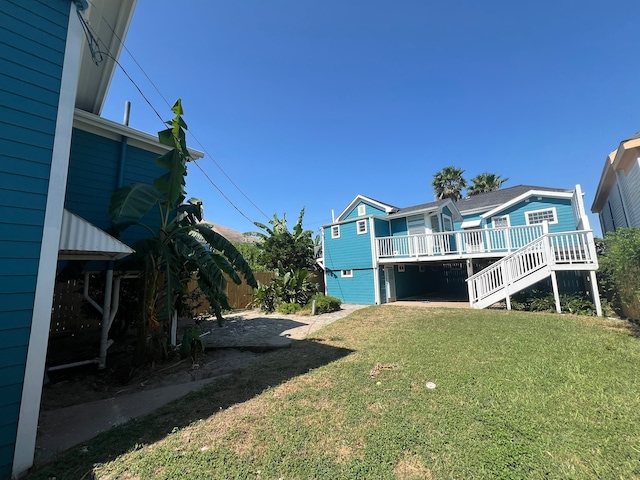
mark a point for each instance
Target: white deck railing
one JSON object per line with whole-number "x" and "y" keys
{"x": 553, "y": 250}
{"x": 488, "y": 240}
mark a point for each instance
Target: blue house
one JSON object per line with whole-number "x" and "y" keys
{"x": 483, "y": 248}
{"x": 59, "y": 163}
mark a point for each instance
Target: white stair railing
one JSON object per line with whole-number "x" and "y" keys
{"x": 553, "y": 250}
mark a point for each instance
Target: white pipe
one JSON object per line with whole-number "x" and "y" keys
{"x": 106, "y": 316}
{"x": 85, "y": 293}
{"x": 71, "y": 365}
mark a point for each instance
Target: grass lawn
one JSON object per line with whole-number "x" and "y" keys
{"x": 518, "y": 395}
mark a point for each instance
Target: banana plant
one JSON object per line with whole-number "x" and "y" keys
{"x": 182, "y": 245}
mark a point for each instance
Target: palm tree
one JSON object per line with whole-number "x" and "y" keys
{"x": 449, "y": 183}
{"x": 485, "y": 182}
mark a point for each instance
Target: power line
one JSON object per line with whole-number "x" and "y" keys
{"x": 190, "y": 132}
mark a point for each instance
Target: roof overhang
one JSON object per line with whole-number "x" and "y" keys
{"x": 97, "y": 125}
{"x": 471, "y": 224}
{"x": 109, "y": 22}
{"x": 606, "y": 183}
{"x": 361, "y": 198}
{"x": 80, "y": 240}
{"x": 523, "y": 197}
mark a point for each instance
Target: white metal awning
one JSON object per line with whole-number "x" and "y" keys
{"x": 471, "y": 224}
{"x": 80, "y": 240}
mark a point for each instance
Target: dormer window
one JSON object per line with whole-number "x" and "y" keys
{"x": 362, "y": 209}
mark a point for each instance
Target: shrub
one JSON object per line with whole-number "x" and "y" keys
{"x": 543, "y": 301}
{"x": 289, "y": 308}
{"x": 325, "y": 303}
{"x": 288, "y": 286}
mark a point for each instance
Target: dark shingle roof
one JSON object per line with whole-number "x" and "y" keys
{"x": 499, "y": 197}
{"x": 422, "y": 206}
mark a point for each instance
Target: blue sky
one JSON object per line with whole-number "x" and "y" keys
{"x": 309, "y": 103}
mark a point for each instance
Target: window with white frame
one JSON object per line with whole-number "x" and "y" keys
{"x": 447, "y": 224}
{"x": 346, "y": 273}
{"x": 361, "y": 227}
{"x": 540, "y": 216}
{"x": 335, "y": 231}
{"x": 500, "y": 222}
{"x": 362, "y": 209}
{"x": 401, "y": 268}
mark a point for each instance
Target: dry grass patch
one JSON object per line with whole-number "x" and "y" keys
{"x": 411, "y": 467}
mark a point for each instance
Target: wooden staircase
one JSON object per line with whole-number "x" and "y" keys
{"x": 530, "y": 264}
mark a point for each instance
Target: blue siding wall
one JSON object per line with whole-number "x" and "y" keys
{"x": 350, "y": 251}
{"x": 93, "y": 172}
{"x": 399, "y": 226}
{"x": 382, "y": 228}
{"x": 369, "y": 210}
{"x": 32, "y": 41}
{"x": 563, "y": 208}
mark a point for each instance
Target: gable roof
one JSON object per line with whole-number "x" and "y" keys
{"x": 431, "y": 206}
{"x": 361, "y": 198}
{"x": 498, "y": 198}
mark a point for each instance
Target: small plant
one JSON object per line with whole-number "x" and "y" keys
{"x": 192, "y": 344}
{"x": 289, "y": 308}
{"x": 288, "y": 286}
{"x": 325, "y": 303}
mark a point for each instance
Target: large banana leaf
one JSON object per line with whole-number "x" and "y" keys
{"x": 133, "y": 201}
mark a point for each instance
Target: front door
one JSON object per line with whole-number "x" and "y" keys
{"x": 390, "y": 283}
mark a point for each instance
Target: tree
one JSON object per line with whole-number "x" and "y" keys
{"x": 449, "y": 183}
{"x": 279, "y": 246}
{"x": 485, "y": 182}
{"x": 182, "y": 245}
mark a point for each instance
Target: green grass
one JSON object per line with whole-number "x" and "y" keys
{"x": 518, "y": 395}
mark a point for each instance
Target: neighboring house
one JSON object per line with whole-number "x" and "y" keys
{"x": 617, "y": 199}
{"x": 482, "y": 248}
{"x": 59, "y": 163}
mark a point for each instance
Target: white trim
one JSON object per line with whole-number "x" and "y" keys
{"x": 444, "y": 215}
{"x": 88, "y": 122}
{"x": 552, "y": 209}
{"x": 361, "y": 222}
{"x": 346, "y": 273}
{"x": 362, "y": 210}
{"x": 337, "y": 231}
{"x": 41, "y": 319}
{"x": 374, "y": 262}
{"x": 524, "y": 196}
{"x": 471, "y": 224}
{"x": 494, "y": 218}
{"x": 361, "y": 198}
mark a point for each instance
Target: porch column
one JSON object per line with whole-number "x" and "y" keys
{"x": 595, "y": 292}
{"x": 556, "y": 295}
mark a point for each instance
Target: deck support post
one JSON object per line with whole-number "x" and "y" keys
{"x": 595, "y": 292}
{"x": 556, "y": 294}
{"x": 506, "y": 281}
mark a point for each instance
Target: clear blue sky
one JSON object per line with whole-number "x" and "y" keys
{"x": 309, "y": 103}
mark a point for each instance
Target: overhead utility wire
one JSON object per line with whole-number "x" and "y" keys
{"x": 169, "y": 105}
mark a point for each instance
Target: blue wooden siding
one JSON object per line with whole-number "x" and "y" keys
{"x": 32, "y": 37}
{"x": 564, "y": 213}
{"x": 93, "y": 173}
{"x": 358, "y": 289}
{"x": 349, "y": 252}
{"x": 381, "y": 228}
{"x": 399, "y": 226}
{"x": 369, "y": 210}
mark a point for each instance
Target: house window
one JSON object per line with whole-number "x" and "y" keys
{"x": 362, "y": 210}
{"x": 447, "y": 224}
{"x": 361, "y": 227}
{"x": 500, "y": 222}
{"x": 401, "y": 268}
{"x": 335, "y": 231}
{"x": 346, "y": 273}
{"x": 540, "y": 216}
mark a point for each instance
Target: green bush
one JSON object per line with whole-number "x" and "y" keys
{"x": 543, "y": 301}
{"x": 325, "y": 303}
{"x": 288, "y": 286}
{"x": 289, "y": 308}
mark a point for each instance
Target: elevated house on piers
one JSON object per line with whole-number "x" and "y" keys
{"x": 482, "y": 249}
